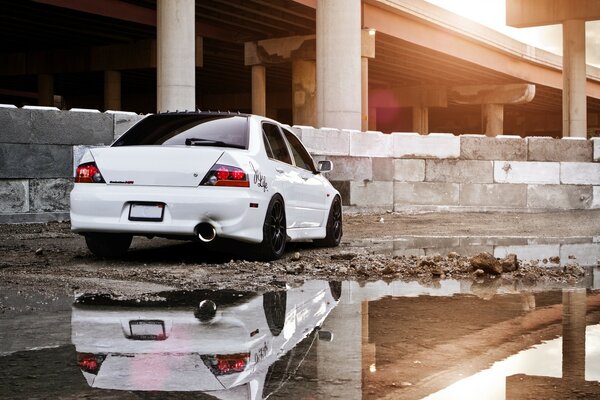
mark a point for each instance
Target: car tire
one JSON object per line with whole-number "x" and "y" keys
{"x": 334, "y": 226}
{"x": 108, "y": 245}
{"x": 274, "y": 305}
{"x": 272, "y": 246}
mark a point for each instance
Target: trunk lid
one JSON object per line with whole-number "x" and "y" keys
{"x": 155, "y": 165}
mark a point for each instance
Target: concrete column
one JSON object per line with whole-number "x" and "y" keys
{"x": 338, "y": 64}
{"x": 112, "y": 90}
{"x": 259, "y": 90}
{"x": 364, "y": 84}
{"x": 492, "y": 119}
{"x": 176, "y": 42}
{"x": 45, "y": 90}
{"x": 420, "y": 120}
{"x": 574, "y": 79}
{"x": 304, "y": 91}
{"x": 574, "y": 310}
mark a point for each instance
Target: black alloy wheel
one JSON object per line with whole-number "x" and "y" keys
{"x": 334, "y": 225}
{"x": 274, "y": 231}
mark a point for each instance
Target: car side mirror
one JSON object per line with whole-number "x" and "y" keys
{"x": 325, "y": 166}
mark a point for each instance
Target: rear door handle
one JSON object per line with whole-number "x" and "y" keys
{"x": 304, "y": 178}
{"x": 279, "y": 170}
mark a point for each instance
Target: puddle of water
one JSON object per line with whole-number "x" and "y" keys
{"x": 585, "y": 250}
{"x": 318, "y": 340}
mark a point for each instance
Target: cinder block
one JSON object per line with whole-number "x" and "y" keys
{"x": 566, "y": 149}
{"x": 123, "y": 121}
{"x": 596, "y": 144}
{"x": 460, "y": 171}
{"x": 559, "y": 196}
{"x": 350, "y": 169}
{"x": 407, "y": 170}
{"x": 14, "y": 196}
{"x": 370, "y": 144}
{"x": 426, "y": 193}
{"x": 479, "y": 147}
{"x": 372, "y": 194}
{"x": 530, "y": 252}
{"x": 344, "y": 188}
{"x": 16, "y": 126}
{"x": 529, "y": 172}
{"x": 66, "y": 127}
{"x": 494, "y": 195}
{"x": 596, "y": 197}
{"x": 580, "y": 173}
{"x": 434, "y": 145}
{"x": 383, "y": 169}
{"x": 326, "y": 141}
{"x": 586, "y": 254}
{"x": 35, "y": 161}
{"x": 49, "y": 195}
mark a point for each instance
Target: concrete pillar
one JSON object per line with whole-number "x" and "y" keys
{"x": 574, "y": 79}
{"x": 176, "y": 42}
{"x": 259, "y": 90}
{"x": 420, "y": 120}
{"x": 338, "y": 64}
{"x": 45, "y": 90}
{"x": 364, "y": 84}
{"x": 574, "y": 323}
{"x": 304, "y": 92}
{"x": 492, "y": 119}
{"x": 112, "y": 90}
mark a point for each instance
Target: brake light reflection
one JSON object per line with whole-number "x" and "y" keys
{"x": 225, "y": 364}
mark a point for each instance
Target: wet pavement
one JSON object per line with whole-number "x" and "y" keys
{"x": 310, "y": 340}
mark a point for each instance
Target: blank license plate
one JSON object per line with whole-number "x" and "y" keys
{"x": 147, "y": 330}
{"x": 146, "y": 212}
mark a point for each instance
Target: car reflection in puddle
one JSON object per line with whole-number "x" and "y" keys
{"x": 224, "y": 343}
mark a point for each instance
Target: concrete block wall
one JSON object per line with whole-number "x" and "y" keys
{"x": 411, "y": 172}
{"x": 39, "y": 147}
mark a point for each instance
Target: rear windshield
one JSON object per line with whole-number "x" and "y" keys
{"x": 188, "y": 130}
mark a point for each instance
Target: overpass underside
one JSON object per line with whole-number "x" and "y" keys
{"x": 423, "y": 69}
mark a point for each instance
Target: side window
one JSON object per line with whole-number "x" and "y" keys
{"x": 275, "y": 142}
{"x": 301, "y": 156}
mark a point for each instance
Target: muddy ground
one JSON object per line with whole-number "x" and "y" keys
{"x": 48, "y": 258}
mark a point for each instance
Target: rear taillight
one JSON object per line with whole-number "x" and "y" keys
{"x": 224, "y": 364}
{"x": 89, "y": 362}
{"x": 88, "y": 173}
{"x": 226, "y": 175}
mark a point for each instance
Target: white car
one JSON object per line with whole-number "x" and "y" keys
{"x": 229, "y": 344}
{"x": 205, "y": 175}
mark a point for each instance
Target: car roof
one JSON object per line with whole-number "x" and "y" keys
{"x": 205, "y": 113}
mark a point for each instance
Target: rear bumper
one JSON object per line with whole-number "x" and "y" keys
{"x": 105, "y": 208}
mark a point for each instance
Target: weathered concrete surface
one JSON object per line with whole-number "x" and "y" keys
{"x": 372, "y": 194}
{"x": 344, "y": 188}
{"x": 326, "y": 141}
{"x": 55, "y": 127}
{"x": 33, "y": 217}
{"x": 409, "y": 170}
{"x": 49, "y": 195}
{"x": 494, "y": 195}
{"x": 526, "y": 172}
{"x": 14, "y": 195}
{"x": 580, "y": 173}
{"x": 480, "y": 147}
{"x": 596, "y": 199}
{"x": 566, "y": 149}
{"x": 383, "y": 169}
{"x": 123, "y": 121}
{"x": 35, "y": 161}
{"x": 559, "y": 196}
{"x": 350, "y": 168}
{"x": 370, "y": 144}
{"x": 434, "y": 145}
{"x": 425, "y": 193}
{"x": 461, "y": 171}
{"x": 596, "y": 144}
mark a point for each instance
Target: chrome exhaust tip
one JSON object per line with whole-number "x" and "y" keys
{"x": 206, "y": 232}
